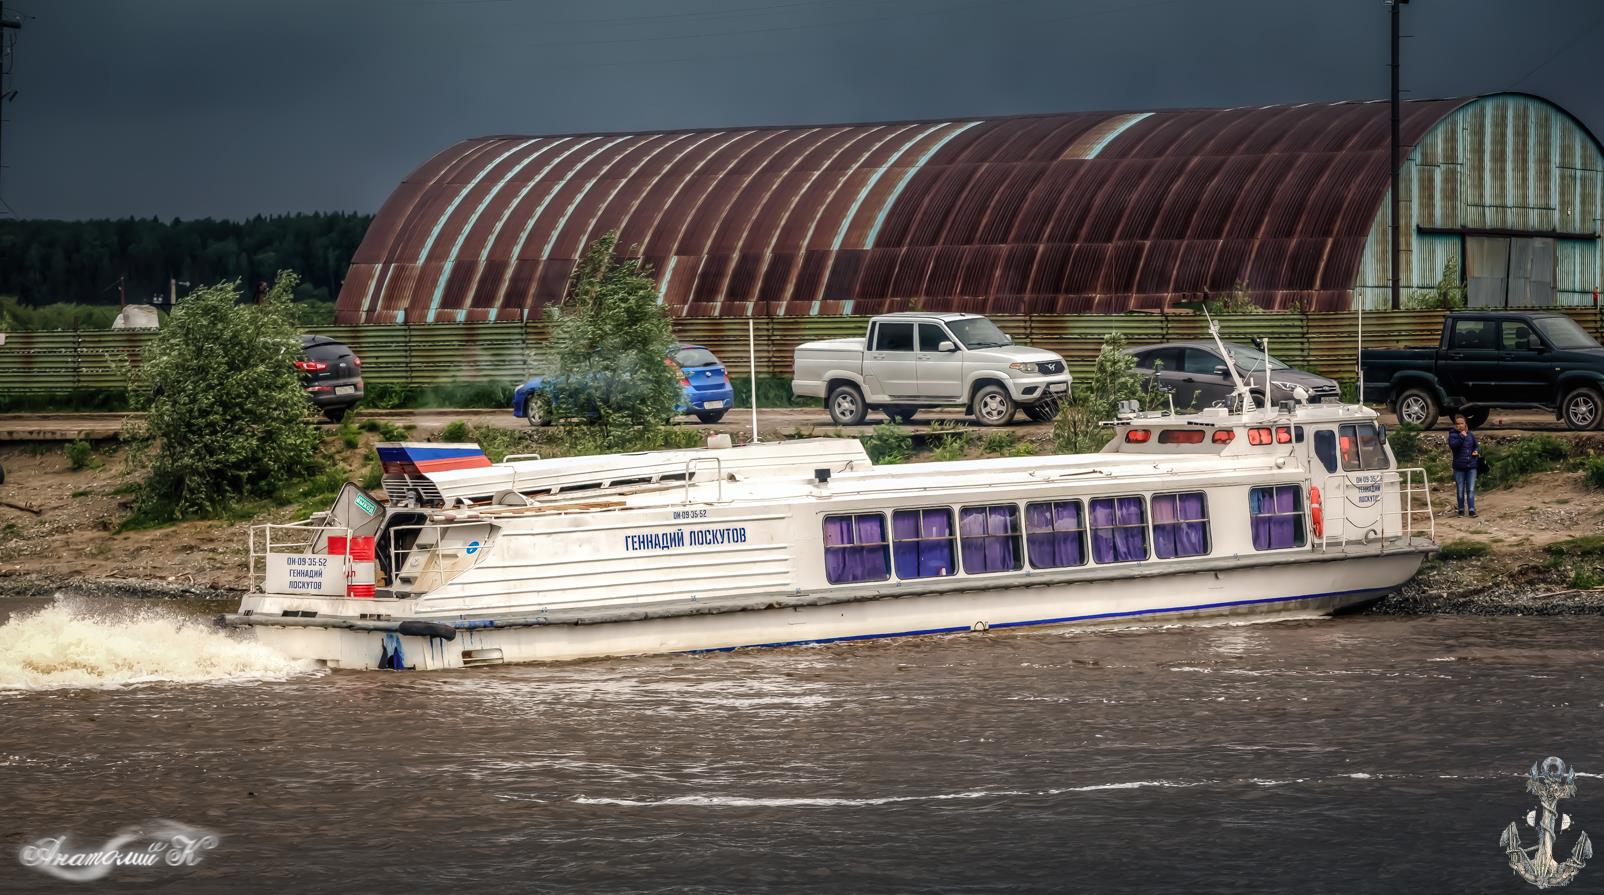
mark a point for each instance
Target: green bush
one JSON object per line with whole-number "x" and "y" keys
{"x": 1463, "y": 549}
{"x": 391, "y": 432}
{"x": 1593, "y": 471}
{"x": 1510, "y": 463}
{"x": 1093, "y": 400}
{"x": 226, "y": 416}
{"x": 81, "y": 455}
{"x": 888, "y": 443}
{"x": 456, "y": 431}
{"x": 609, "y": 342}
{"x": 999, "y": 442}
{"x": 1404, "y": 439}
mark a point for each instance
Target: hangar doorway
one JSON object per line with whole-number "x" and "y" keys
{"x": 1509, "y": 272}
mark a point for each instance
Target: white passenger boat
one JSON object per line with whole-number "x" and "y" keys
{"x": 1292, "y": 510}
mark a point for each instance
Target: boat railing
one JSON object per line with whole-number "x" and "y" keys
{"x": 718, "y": 474}
{"x": 1386, "y": 505}
{"x": 303, "y": 538}
{"x": 420, "y": 561}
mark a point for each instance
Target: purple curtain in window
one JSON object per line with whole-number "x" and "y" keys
{"x": 1053, "y": 535}
{"x": 990, "y": 537}
{"x": 1277, "y": 516}
{"x": 855, "y": 549}
{"x": 1119, "y": 532}
{"x": 922, "y": 543}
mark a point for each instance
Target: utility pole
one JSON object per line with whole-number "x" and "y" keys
{"x": 5, "y": 25}
{"x": 1396, "y": 300}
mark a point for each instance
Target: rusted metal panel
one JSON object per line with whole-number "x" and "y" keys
{"x": 1276, "y": 196}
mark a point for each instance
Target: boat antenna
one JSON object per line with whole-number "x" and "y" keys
{"x": 751, "y": 360}
{"x": 1230, "y": 364}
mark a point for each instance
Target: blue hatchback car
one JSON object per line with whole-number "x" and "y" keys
{"x": 704, "y": 388}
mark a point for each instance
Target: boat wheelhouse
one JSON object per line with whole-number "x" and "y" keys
{"x": 1292, "y": 510}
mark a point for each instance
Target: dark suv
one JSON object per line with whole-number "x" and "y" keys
{"x": 1491, "y": 359}
{"x": 332, "y": 375}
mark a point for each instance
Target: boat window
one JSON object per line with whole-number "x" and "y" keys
{"x": 921, "y": 543}
{"x": 1260, "y": 435}
{"x": 855, "y": 548}
{"x": 1297, "y": 434}
{"x": 1325, "y": 447}
{"x": 894, "y": 337}
{"x": 1276, "y": 514}
{"x": 1361, "y": 448}
{"x": 990, "y": 537}
{"x": 1055, "y": 534}
{"x": 1223, "y": 436}
{"x": 1119, "y": 529}
{"x": 1180, "y": 436}
{"x": 1180, "y": 525}
{"x": 1349, "y": 445}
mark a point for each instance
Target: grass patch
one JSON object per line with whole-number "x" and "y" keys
{"x": 81, "y": 455}
{"x": 456, "y": 431}
{"x": 1463, "y": 548}
{"x": 1576, "y": 548}
{"x": 1513, "y": 462}
{"x": 888, "y": 443}
{"x": 1593, "y": 471}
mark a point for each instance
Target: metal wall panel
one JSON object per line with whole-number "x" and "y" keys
{"x": 1276, "y": 196}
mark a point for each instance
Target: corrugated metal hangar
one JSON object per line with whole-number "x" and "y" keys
{"x": 1041, "y": 214}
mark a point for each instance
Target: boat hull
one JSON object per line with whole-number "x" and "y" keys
{"x": 1301, "y": 589}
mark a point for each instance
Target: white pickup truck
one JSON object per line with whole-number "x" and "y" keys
{"x": 913, "y": 360}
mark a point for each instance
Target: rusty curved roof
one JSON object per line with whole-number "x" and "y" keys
{"x": 1081, "y": 212}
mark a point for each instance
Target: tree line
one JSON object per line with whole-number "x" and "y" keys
{"x": 45, "y": 262}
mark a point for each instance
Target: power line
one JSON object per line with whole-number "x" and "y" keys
{"x": 1557, "y": 53}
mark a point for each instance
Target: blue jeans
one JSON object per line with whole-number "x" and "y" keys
{"x": 1465, "y": 488}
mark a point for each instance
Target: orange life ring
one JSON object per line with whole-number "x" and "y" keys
{"x": 1316, "y": 514}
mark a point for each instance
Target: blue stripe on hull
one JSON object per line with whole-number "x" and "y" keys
{"x": 1053, "y": 621}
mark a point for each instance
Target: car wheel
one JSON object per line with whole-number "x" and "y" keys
{"x": 1582, "y": 408}
{"x": 710, "y": 416}
{"x": 1417, "y": 408}
{"x": 535, "y": 411}
{"x": 993, "y": 406}
{"x": 846, "y": 406}
{"x": 1475, "y": 417}
{"x": 334, "y": 414}
{"x": 901, "y": 413}
{"x": 1044, "y": 411}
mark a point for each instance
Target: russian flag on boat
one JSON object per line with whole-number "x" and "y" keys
{"x": 414, "y": 458}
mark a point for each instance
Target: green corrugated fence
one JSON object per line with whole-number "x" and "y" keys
{"x": 443, "y": 353}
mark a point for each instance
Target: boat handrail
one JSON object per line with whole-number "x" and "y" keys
{"x": 1410, "y": 514}
{"x": 718, "y": 474}
{"x": 518, "y": 473}
{"x": 309, "y": 530}
{"x": 400, "y": 558}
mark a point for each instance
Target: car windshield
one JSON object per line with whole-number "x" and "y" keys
{"x": 1564, "y": 333}
{"x": 1250, "y": 359}
{"x": 977, "y": 332}
{"x": 695, "y": 357}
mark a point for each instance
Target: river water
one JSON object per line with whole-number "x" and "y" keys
{"x": 1360, "y": 754}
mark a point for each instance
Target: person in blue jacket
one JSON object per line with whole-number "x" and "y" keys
{"x": 1467, "y": 455}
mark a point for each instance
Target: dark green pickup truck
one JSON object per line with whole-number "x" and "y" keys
{"x": 1489, "y": 360}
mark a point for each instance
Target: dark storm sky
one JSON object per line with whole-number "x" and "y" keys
{"x": 235, "y": 107}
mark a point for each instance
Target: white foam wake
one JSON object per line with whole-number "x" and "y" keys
{"x": 65, "y": 646}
